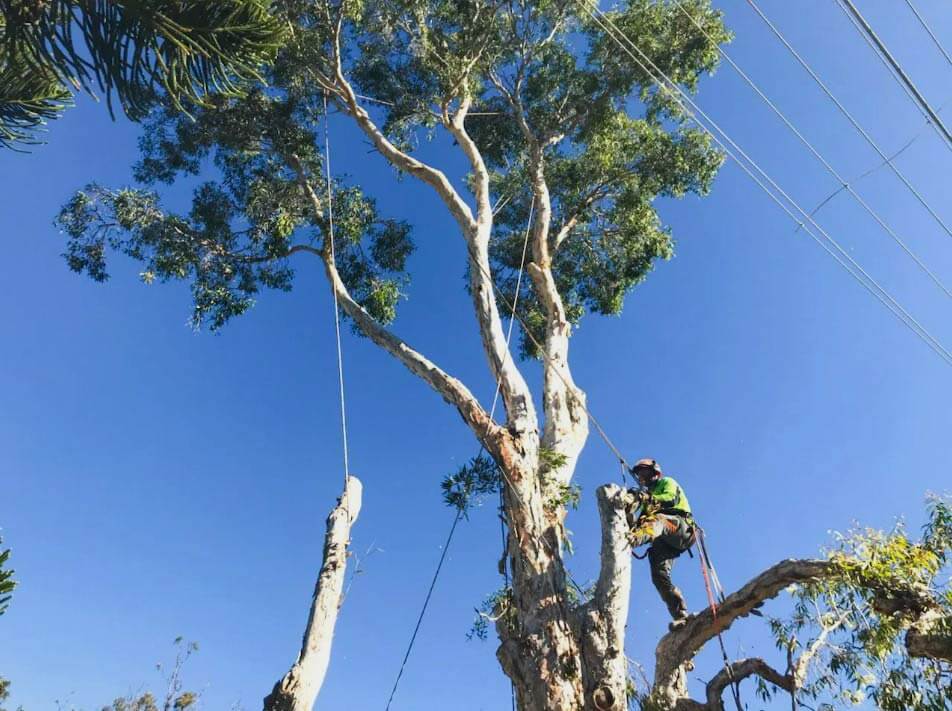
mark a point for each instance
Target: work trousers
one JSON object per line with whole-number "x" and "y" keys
{"x": 669, "y": 536}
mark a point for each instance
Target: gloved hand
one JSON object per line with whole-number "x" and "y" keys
{"x": 639, "y": 496}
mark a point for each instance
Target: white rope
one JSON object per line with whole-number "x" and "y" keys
{"x": 515, "y": 302}
{"x": 482, "y": 447}
{"x": 340, "y": 354}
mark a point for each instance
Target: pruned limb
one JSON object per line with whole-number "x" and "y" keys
{"x": 603, "y": 618}
{"x": 298, "y": 689}
{"x": 739, "y": 671}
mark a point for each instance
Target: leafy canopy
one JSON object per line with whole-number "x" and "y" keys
{"x": 132, "y": 50}
{"x": 540, "y": 76}
{"x": 885, "y": 580}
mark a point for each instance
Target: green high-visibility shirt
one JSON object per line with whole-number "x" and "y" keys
{"x": 667, "y": 492}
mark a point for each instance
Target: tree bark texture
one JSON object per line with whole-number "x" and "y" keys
{"x": 298, "y": 689}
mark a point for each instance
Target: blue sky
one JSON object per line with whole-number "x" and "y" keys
{"x": 159, "y": 482}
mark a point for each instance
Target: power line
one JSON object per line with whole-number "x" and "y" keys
{"x": 856, "y": 125}
{"x": 860, "y": 23}
{"x": 836, "y": 251}
{"x": 905, "y": 146}
{"x": 826, "y": 164}
{"x": 925, "y": 26}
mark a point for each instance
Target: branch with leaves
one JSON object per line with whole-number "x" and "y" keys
{"x": 136, "y": 52}
{"x": 858, "y": 629}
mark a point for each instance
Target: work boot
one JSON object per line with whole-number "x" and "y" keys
{"x": 678, "y": 622}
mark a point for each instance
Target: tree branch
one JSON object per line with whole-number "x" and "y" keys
{"x": 450, "y": 389}
{"x": 739, "y": 671}
{"x": 399, "y": 159}
{"x": 682, "y": 644}
{"x": 515, "y": 390}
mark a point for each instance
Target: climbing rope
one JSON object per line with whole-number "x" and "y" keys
{"x": 712, "y": 586}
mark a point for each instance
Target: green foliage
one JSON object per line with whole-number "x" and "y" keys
{"x": 134, "y": 51}
{"x": 240, "y": 231}
{"x": 4, "y": 691}
{"x": 556, "y": 493}
{"x": 611, "y": 143}
{"x": 471, "y": 483}
{"x": 496, "y": 607}
{"x": 7, "y": 583}
{"x": 884, "y": 579}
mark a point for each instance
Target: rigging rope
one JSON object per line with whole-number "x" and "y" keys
{"x": 340, "y": 353}
{"x": 707, "y": 572}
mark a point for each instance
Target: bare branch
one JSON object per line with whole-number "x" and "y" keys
{"x": 739, "y": 671}
{"x": 682, "y": 644}
{"x": 399, "y": 159}
{"x": 450, "y": 389}
{"x": 515, "y": 391}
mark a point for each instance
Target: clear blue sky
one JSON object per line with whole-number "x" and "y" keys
{"x": 158, "y": 482}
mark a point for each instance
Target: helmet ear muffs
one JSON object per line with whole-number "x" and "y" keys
{"x": 646, "y": 464}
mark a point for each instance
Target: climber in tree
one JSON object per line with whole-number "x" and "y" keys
{"x": 661, "y": 515}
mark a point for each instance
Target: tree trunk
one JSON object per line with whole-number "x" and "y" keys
{"x": 299, "y": 688}
{"x": 560, "y": 653}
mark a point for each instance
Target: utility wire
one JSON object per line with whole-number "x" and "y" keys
{"x": 899, "y": 174}
{"x": 901, "y": 76}
{"x": 827, "y": 242}
{"x": 826, "y": 164}
{"x": 905, "y": 146}
{"x": 925, "y": 26}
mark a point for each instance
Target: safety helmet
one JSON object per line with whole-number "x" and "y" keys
{"x": 646, "y": 469}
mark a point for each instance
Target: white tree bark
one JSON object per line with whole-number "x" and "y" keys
{"x": 542, "y": 651}
{"x": 298, "y": 689}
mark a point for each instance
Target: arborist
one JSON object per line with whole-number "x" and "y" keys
{"x": 660, "y": 514}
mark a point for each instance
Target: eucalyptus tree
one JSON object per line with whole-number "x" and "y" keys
{"x": 127, "y": 49}
{"x": 550, "y": 120}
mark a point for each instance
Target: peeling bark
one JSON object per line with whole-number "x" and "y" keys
{"x": 299, "y": 688}
{"x": 604, "y": 618}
